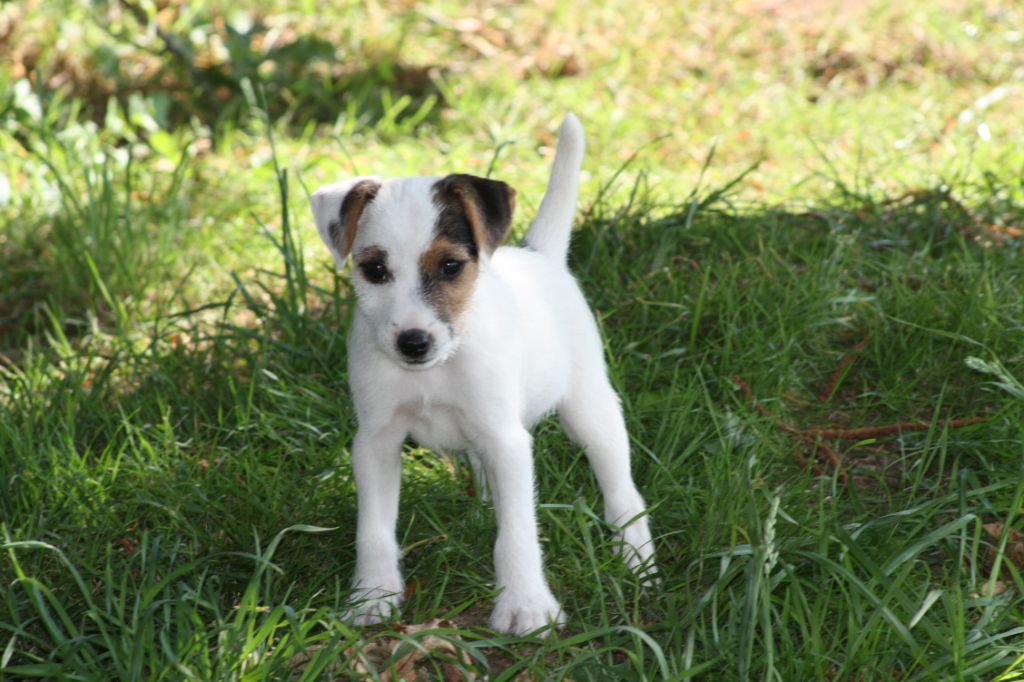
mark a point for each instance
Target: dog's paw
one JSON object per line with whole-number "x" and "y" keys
{"x": 635, "y": 546}
{"x": 372, "y": 606}
{"x": 519, "y": 614}
{"x": 648, "y": 574}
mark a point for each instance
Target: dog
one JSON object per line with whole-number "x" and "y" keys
{"x": 463, "y": 345}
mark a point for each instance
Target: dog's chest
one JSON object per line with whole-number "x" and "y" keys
{"x": 435, "y": 426}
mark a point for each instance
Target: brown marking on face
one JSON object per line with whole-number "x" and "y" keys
{"x": 372, "y": 255}
{"x": 449, "y": 295}
{"x": 478, "y": 209}
{"x": 343, "y": 231}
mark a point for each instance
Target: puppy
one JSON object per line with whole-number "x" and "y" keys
{"x": 464, "y": 346}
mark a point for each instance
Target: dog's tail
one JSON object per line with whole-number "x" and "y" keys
{"x": 551, "y": 229}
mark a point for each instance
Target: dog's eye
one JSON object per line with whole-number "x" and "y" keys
{"x": 451, "y": 268}
{"x": 374, "y": 271}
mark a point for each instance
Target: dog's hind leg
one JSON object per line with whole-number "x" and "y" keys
{"x": 592, "y": 417}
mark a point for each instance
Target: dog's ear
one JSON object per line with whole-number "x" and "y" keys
{"x": 488, "y": 205}
{"x": 337, "y": 209}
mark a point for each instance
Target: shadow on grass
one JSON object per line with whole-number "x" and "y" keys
{"x": 211, "y": 437}
{"x": 775, "y": 295}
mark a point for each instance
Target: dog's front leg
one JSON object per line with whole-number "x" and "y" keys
{"x": 377, "y": 585}
{"x": 525, "y": 603}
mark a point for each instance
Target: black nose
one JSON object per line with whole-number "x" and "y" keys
{"x": 414, "y": 343}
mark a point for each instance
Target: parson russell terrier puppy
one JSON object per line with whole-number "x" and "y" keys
{"x": 464, "y": 346}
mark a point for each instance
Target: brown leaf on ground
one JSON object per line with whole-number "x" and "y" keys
{"x": 990, "y": 589}
{"x": 411, "y": 666}
{"x": 405, "y": 668}
{"x": 298, "y": 663}
{"x": 1013, "y": 554}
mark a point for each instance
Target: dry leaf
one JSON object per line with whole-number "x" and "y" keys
{"x": 1013, "y": 554}
{"x": 410, "y": 667}
{"x": 405, "y": 668}
{"x": 990, "y": 589}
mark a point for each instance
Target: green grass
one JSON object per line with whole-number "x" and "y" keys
{"x": 764, "y": 191}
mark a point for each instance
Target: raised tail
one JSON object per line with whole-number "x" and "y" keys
{"x": 551, "y": 229}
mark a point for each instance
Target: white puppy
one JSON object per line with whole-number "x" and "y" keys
{"x": 464, "y": 346}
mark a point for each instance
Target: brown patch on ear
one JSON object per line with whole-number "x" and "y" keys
{"x": 449, "y": 296}
{"x": 487, "y": 205}
{"x": 343, "y": 231}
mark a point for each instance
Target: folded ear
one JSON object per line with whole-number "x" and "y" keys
{"x": 487, "y": 204}
{"x": 337, "y": 209}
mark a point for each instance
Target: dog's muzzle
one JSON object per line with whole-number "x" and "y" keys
{"x": 414, "y": 344}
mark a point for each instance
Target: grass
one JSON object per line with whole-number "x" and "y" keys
{"x": 822, "y": 207}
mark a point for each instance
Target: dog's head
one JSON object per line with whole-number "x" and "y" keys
{"x": 418, "y": 246}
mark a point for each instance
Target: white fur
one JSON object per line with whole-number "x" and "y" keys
{"x": 528, "y": 345}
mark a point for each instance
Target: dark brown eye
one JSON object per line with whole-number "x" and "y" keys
{"x": 374, "y": 271}
{"x": 451, "y": 268}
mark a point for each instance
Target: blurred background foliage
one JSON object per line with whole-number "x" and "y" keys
{"x": 170, "y": 63}
{"x": 928, "y": 87}
{"x": 166, "y": 104}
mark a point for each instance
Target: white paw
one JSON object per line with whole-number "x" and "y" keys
{"x": 372, "y": 605}
{"x": 635, "y": 546}
{"x": 519, "y": 614}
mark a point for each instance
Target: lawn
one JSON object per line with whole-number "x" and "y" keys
{"x": 800, "y": 227}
